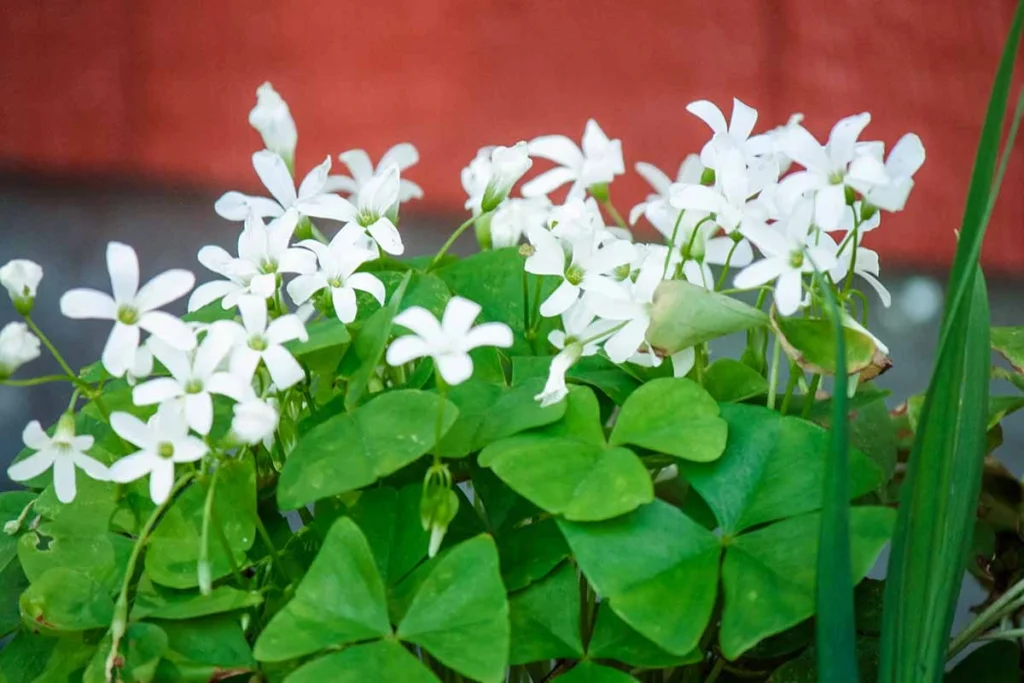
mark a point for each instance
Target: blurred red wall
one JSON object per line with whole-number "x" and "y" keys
{"x": 161, "y": 89}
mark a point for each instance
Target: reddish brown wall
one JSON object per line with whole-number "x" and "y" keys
{"x": 161, "y": 88}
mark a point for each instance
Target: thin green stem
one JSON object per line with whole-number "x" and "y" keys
{"x": 605, "y": 334}
{"x": 811, "y": 397}
{"x": 203, "y": 565}
{"x": 35, "y": 381}
{"x": 526, "y": 302}
{"x": 716, "y": 670}
{"x": 616, "y": 216}
{"x": 672, "y": 244}
{"x": 72, "y": 376}
{"x": 1007, "y": 603}
{"x": 773, "y": 377}
{"x": 725, "y": 268}
{"x": 794, "y": 376}
{"x": 119, "y": 624}
{"x": 442, "y": 392}
{"x": 451, "y": 240}
{"x": 274, "y": 557}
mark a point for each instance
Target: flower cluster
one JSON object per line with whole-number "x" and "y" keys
{"x": 736, "y": 195}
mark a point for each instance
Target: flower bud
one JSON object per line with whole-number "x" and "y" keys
{"x": 273, "y": 120}
{"x": 599, "y": 191}
{"x": 707, "y": 177}
{"x": 482, "y": 228}
{"x": 508, "y": 165}
{"x": 21, "y": 278}
{"x": 438, "y": 505}
{"x": 17, "y": 347}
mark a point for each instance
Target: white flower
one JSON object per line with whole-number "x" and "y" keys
{"x": 21, "y": 278}
{"x": 735, "y": 135}
{"x": 515, "y": 217}
{"x": 579, "y": 218}
{"x": 273, "y": 120}
{"x": 255, "y": 340}
{"x": 490, "y": 176}
{"x": 403, "y": 155}
{"x": 339, "y": 261}
{"x": 905, "y": 158}
{"x": 255, "y": 420}
{"x": 17, "y": 347}
{"x": 589, "y": 266}
{"x": 263, "y": 251}
{"x": 194, "y": 378}
{"x": 554, "y": 388}
{"x": 142, "y": 364}
{"x": 581, "y": 337}
{"x": 630, "y": 304}
{"x": 310, "y": 200}
{"x": 830, "y": 168}
{"x": 447, "y": 341}
{"x": 598, "y": 162}
{"x": 132, "y": 308}
{"x": 162, "y": 442}
{"x": 64, "y": 452}
{"x": 729, "y": 200}
{"x": 867, "y": 267}
{"x": 788, "y": 255}
{"x": 690, "y": 173}
{"x": 376, "y": 202}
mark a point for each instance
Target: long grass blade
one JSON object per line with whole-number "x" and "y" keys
{"x": 940, "y": 490}
{"x": 834, "y": 626}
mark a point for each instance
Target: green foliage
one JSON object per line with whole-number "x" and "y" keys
{"x": 685, "y": 314}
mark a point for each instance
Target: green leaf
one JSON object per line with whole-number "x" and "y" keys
{"x": 63, "y": 599}
{"x": 595, "y": 371}
{"x": 672, "y": 416}
{"x": 685, "y": 315}
{"x": 323, "y": 335}
{"x": 340, "y": 600}
{"x": 873, "y": 433}
{"x": 811, "y": 344}
{"x": 1001, "y": 406}
{"x": 173, "y": 555}
{"x": 361, "y": 361}
{"x": 590, "y": 672}
{"x": 773, "y": 467}
{"x": 566, "y": 469}
{"x": 730, "y": 381}
{"x": 390, "y": 520}
{"x": 102, "y": 557}
{"x": 460, "y": 613}
{"x": 530, "y": 552}
{"x": 635, "y": 560}
{"x": 13, "y": 583}
{"x": 384, "y": 660}
{"x": 474, "y": 398}
{"x": 156, "y": 602}
{"x": 545, "y": 619}
{"x": 25, "y": 657}
{"x": 768, "y": 575}
{"x": 1009, "y": 342}
{"x": 804, "y": 669}
{"x": 995, "y": 662}
{"x": 142, "y": 649}
{"x": 614, "y": 639}
{"x": 503, "y": 508}
{"x": 207, "y": 649}
{"x": 516, "y": 410}
{"x": 494, "y": 279}
{"x": 352, "y": 450}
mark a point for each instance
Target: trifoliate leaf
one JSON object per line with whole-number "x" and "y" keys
{"x": 383, "y": 660}
{"x": 545, "y": 619}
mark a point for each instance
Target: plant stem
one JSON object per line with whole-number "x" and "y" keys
{"x": 35, "y": 381}
{"x": 203, "y": 564}
{"x": 811, "y": 398}
{"x": 715, "y": 670}
{"x": 671, "y": 244}
{"x": 275, "y": 558}
{"x": 451, "y": 240}
{"x": 1008, "y": 602}
{"x": 72, "y": 376}
{"x": 119, "y": 624}
{"x": 725, "y": 268}
{"x": 773, "y": 377}
{"x": 794, "y": 375}
{"x": 616, "y": 216}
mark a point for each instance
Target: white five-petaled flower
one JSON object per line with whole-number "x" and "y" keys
{"x": 447, "y": 341}
{"x": 789, "y": 252}
{"x": 64, "y": 452}
{"x": 132, "y": 308}
{"x": 339, "y": 261}
{"x": 589, "y": 266}
{"x": 376, "y": 203}
{"x": 830, "y": 168}
{"x": 194, "y": 378}
{"x": 263, "y": 251}
{"x": 735, "y": 134}
{"x": 866, "y": 266}
{"x": 598, "y": 162}
{"x": 580, "y": 337}
{"x": 311, "y": 199}
{"x": 736, "y": 182}
{"x": 17, "y": 347}
{"x": 490, "y": 176}
{"x": 904, "y": 159}
{"x": 255, "y": 419}
{"x": 690, "y": 172}
{"x": 515, "y": 217}
{"x": 629, "y": 304}
{"x": 273, "y": 121}
{"x": 21, "y": 278}
{"x": 162, "y": 442}
{"x": 255, "y": 340}
{"x": 403, "y": 155}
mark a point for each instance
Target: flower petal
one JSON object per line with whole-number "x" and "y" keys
{"x": 488, "y": 334}
{"x": 64, "y": 479}
{"x": 407, "y": 348}
{"x": 164, "y": 288}
{"x": 132, "y": 467}
{"x": 560, "y": 300}
{"x": 557, "y": 148}
{"x": 744, "y": 117}
{"x": 208, "y": 292}
{"x": 800, "y": 146}
{"x": 236, "y": 206}
{"x": 199, "y": 412}
{"x": 709, "y": 113}
{"x": 189, "y": 449}
{"x": 34, "y": 437}
{"x": 92, "y": 467}
{"x": 227, "y": 384}
{"x": 368, "y": 283}
{"x": 133, "y": 430}
{"x": 156, "y": 391}
{"x": 403, "y": 155}
{"x": 161, "y": 481}
{"x": 254, "y": 314}
{"x": 273, "y": 171}
{"x": 455, "y": 368}
{"x": 458, "y": 317}
{"x": 169, "y": 328}
{"x": 32, "y": 466}
{"x": 285, "y": 329}
{"x": 359, "y": 164}
{"x": 344, "y": 301}
{"x": 843, "y": 138}
{"x": 759, "y": 272}
{"x": 330, "y": 206}
{"x": 81, "y": 304}
{"x": 386, "y": 235}
{"x": 305, "y": 286}
{"x": 422, "y": 322}
{"x": 654, "y": 176}
{"x": 284, "y": 370}
{"x": 120, "y": 349}
{"x": 788, "y": 292}
{"x": 123, "y": 266}
{"x": 548, "y": 181}
{"x": 829, "y": 205}
{"x": 313, "y": 183}
{"x": 624, "y": 343}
